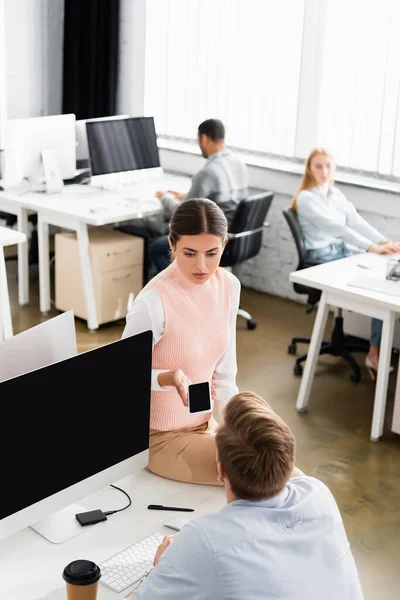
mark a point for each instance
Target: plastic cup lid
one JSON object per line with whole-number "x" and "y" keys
{"x": 81, "y": 572}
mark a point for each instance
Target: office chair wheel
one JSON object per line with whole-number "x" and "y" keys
{"x": 292, "y": 348}
{"x": 297, "y": 369}
{"x": 355, "y": 378}
{"x": 251, "y": 324}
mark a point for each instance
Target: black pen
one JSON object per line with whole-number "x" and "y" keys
{"x": 161, "y": 507}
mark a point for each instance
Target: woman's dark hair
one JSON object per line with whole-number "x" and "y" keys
{"x": 195, "y": 216}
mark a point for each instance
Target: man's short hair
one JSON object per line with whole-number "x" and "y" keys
{"x": 213, "y": 128}
{"x": 255, "y": 448}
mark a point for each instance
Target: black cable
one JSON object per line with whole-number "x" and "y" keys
{"x": 111, "y": 512}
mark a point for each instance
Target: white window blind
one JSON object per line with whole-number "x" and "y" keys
{"x": 230, "y": 59}
{"x": 283, "y": 76}
{"x": 359, "y": 117}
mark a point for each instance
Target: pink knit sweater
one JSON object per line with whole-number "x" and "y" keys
{"x": 196, "y": 335}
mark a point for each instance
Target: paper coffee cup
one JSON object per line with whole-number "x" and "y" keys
{"x": 82, "y": 580}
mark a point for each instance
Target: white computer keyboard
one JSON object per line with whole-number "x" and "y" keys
{"x": 128, "y": 566}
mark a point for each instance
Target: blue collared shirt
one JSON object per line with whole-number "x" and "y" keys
{"x": 290, "y": 547}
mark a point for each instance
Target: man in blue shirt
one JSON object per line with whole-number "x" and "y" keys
{"x": 280, "y": 536}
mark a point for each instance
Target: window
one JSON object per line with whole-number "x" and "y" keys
{"x": 230, "y": 59}
{"x": 283, "y": 76}
{"x": 360, "y": 85}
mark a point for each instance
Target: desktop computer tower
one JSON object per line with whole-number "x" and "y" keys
{"x": 117, "y": 267}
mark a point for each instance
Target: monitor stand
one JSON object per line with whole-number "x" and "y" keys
{"x": 61, "y": 525}
{"x": 52, "y": 173}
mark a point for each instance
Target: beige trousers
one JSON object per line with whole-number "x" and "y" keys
{"x": 185, "y": 455}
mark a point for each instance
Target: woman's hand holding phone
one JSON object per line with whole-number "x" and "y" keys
{"x": 181, "y": 382}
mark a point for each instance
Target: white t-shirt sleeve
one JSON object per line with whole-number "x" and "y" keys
{"x": 147, "y": 313}
{"x": 224, "y": 377}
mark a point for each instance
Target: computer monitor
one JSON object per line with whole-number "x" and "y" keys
{"x": 38, "y": 346}
{"x": 69, "y": 430}
{"x": 121, "y": 145}
{"x": 25, "y": 139}
{"x": 82, "y": 150}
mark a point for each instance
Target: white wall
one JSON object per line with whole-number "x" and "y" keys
{"x": 130, "y": 97}
{"x": 34, "y": 34}
{"x": 34, "y": 49}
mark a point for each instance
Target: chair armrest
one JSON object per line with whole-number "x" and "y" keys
{"x": 241, "y": 234}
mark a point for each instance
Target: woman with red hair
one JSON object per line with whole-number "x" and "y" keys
{"x": 330, "y": 223}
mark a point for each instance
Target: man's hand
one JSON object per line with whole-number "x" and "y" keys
{"x": 177, "y": 195}
{"x": 162, "y": 548}
{"x": 181, "y": 382}
{"x": 160, "y": 194}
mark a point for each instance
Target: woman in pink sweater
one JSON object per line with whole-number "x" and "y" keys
{"x": 191, "y": 309}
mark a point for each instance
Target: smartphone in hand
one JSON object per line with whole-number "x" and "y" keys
{"x": 199, "y": 398}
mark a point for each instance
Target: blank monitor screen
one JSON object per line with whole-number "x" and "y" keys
{"x": 66, "y": 422}
{"x": 122, "y": 145}
{"x": 82, "y": 150}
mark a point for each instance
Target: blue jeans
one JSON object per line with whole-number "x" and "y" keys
{"x": 160, "y": 252}
{"x": 376, "y": 332}
{"x": 328, "y": 253}
{"x": 334, "y": 252}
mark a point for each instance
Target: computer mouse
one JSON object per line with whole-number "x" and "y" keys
{"x": 177, "y": 523}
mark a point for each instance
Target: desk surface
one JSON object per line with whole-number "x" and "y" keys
{"x": 31, "y": 567}
{"x": 97, "y": 206}
{"x": 335, "y": 276}
{"x": 9, "y": 237}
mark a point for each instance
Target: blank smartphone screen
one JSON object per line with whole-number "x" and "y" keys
{"x": 199, "y": 397}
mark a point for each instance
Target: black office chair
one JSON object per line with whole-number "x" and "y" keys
{"x": 245, "y": 236}
{"x": 340, "y": 344}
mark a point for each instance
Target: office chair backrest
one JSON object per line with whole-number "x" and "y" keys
{"x": 293, "y": 222}
{"x": 245, "y": 232}
{"x": 294, "y": 225}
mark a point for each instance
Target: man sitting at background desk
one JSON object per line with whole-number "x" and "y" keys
{"x": 223, "y": 179}
{"x": 280, "y": 536}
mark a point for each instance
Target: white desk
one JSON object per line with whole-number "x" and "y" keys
{"x": 9, "y": 205}
{"x": 31, "y": 567}
{"x": 332, "y": 279}
{"x": 76, "y": 208}
{"x": 8, "y": 237}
